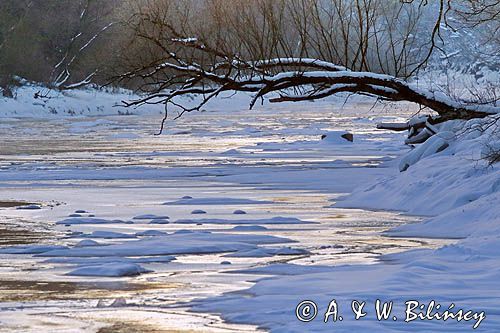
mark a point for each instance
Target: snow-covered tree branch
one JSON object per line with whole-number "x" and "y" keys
{"x": 185, "y": 59}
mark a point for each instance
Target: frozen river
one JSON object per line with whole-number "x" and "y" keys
{"x": 242, "y": 190}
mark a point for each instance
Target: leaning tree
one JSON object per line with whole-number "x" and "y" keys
{"x": 297, "y": 50}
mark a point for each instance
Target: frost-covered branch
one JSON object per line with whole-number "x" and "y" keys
{"x": 284, "y": 79}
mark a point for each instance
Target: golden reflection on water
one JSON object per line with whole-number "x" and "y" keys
{"x": 27, "y": 291}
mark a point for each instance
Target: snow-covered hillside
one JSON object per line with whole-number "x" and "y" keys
{"x": 35, "y": 100}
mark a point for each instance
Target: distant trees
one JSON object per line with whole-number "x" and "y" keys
{"x": 62, "y": 43}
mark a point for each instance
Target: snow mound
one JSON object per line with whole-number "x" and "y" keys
{"x": 106, "y": 235}
{"x": 87, "y": 242}
{"x": 30, "y": 207}
{"x": 177, "y": 243}
{"x": 30, "y": 249}
{"x": 249, "y": 228}
{"x": 106, "y": 260}
{"x": 150, "y": 233}
{"x": 110, "y": 270}
{"x": 159, "y": 221}
{"x": 151, "y": 217}
{"x": 88, "y": 220}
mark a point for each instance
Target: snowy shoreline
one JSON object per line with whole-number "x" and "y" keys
{"x": 461, "y": 191}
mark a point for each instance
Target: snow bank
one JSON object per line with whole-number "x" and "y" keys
{"x": 78, "y": 102}
{"x": 436, "y": 182}
{"x": 463, "y": 194}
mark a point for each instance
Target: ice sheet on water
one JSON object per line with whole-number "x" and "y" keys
{"x": 273, "y": 220}
{"x": 266, "y": 252}
{"x": 284, "y": 269}
{"x": 249, "y": 228}
{"x": 217, "y": 201}
{"x": 177, "y": 243}
{"x": 150, "y": 233}
{"x": 92, "y": 261}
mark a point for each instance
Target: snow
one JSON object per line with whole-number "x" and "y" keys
{"x": 462, "y": 194}
{"x": 270, "y": 163}
{"x": 151, "y": 217}
{"x": 216, "y": 201}
{"x": 86, "y": 243}
{"x": 438, "y": 183}
{"x": 177, "y": 243}
{"x": 30, "y": 249}
{"x": 159, "y": 221}
{"x": 292, "y": 61}
{"x": 106, "y": 235}
{"x": 249, "y": 228}
{"x": 76, "y": 102}
{"x": 433, "y": 145}
{"x": 30, "y": 207}
{"x": 273, "y": 220}
{"x": 106, "y": 260}
{"x": 110, "y": 270}
{"x": 150, "y": 233}
{"x": 89, "y": 220}
{"x": 266, "y": 252}
{"x": 335, "y": 137}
